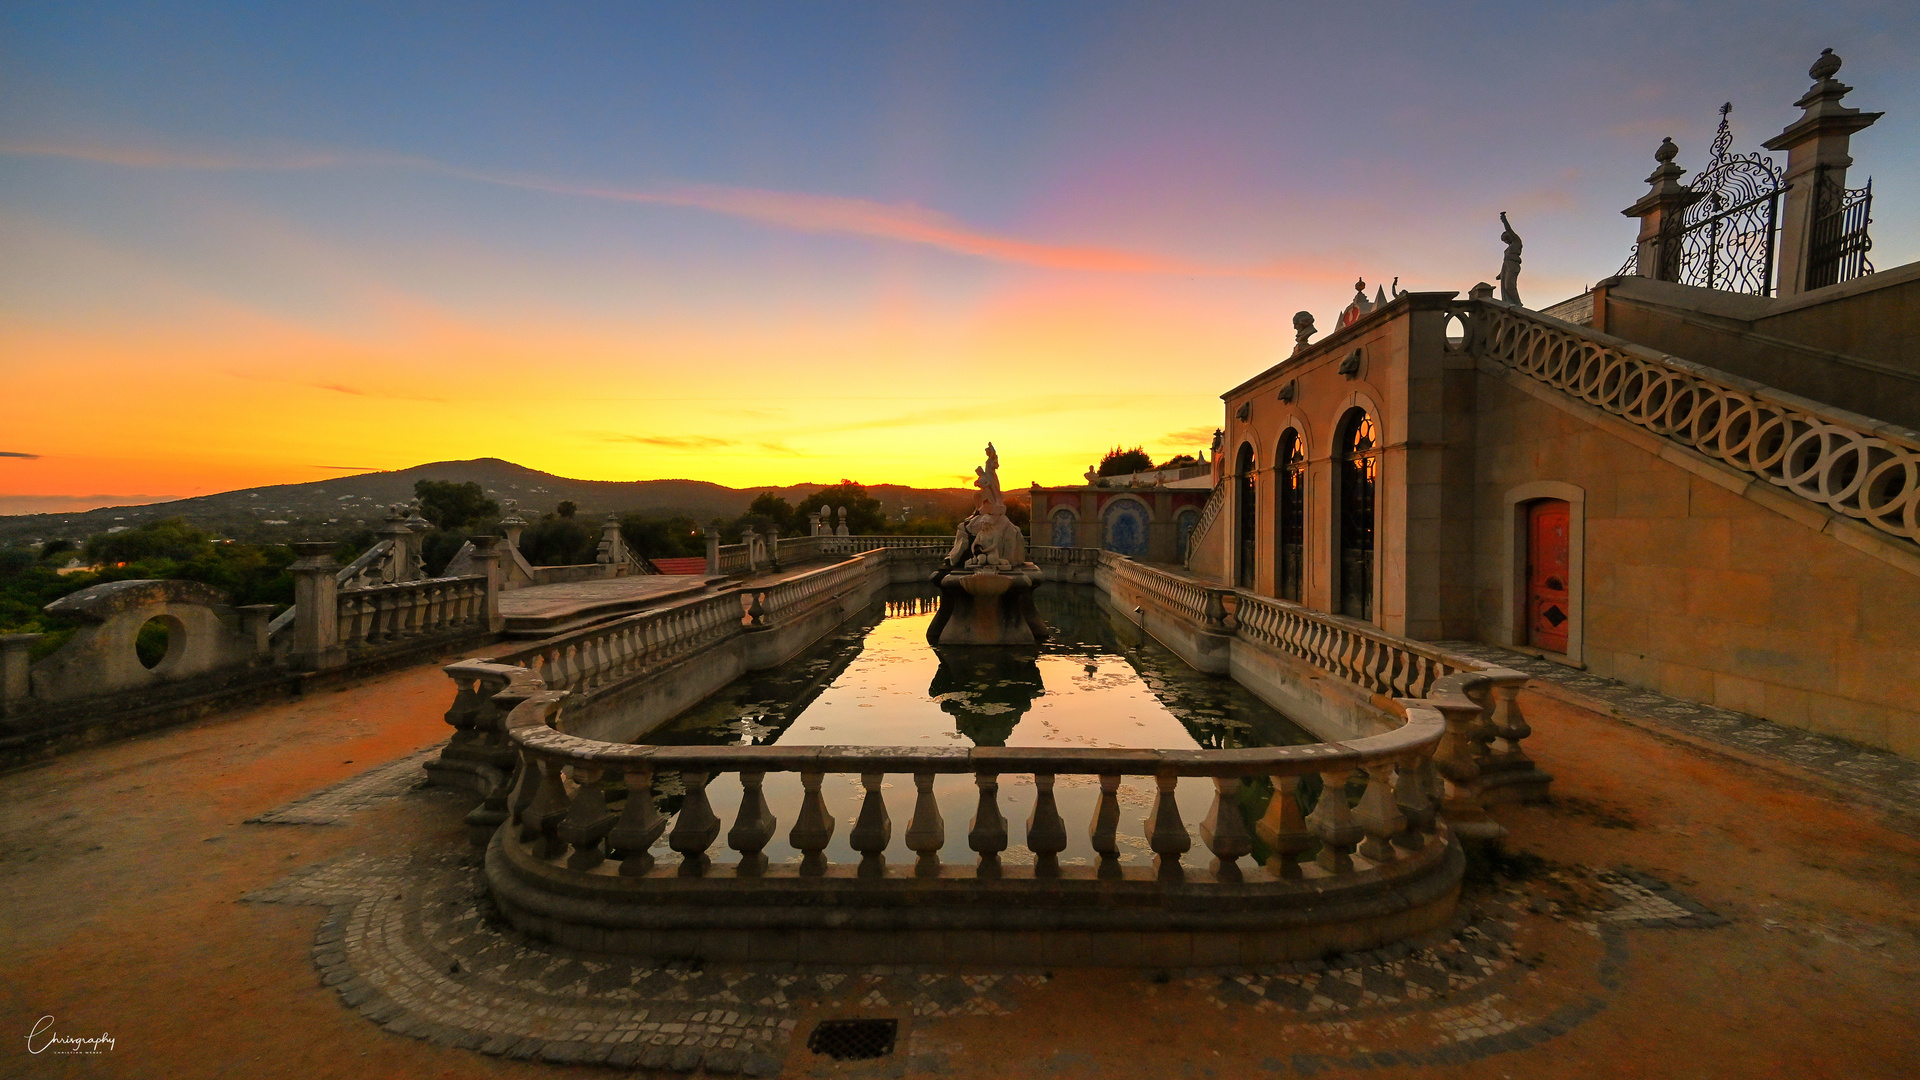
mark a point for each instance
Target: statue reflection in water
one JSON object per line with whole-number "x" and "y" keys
{"x": 986, "y": 691}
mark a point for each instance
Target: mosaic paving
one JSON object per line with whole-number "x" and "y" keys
{"x": 330, "y": 804}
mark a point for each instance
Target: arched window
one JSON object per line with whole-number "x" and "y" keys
{"x": 1291, "y": 510}
{"x": 1244, "y": 509}
{"x": 1357, "y": 474}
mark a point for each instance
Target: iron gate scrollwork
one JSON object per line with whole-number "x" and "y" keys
{"x": 1727, "y": 237}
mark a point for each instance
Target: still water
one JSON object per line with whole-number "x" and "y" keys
{"x": 876, "y": 682}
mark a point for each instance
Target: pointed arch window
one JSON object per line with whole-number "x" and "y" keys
{"x": 1357, "y": 472}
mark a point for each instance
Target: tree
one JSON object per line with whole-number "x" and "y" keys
{"x": 864, "y": 515}
{"x": 1120, "y": 462}
{"x": 1178, "y": 461}
{"x": 676, "y": 537}
{"x": 567, "y": 509}
{"x": 773, "y": 507}
{"x": 558, "y": 541}
{"x": 449, "y": 504}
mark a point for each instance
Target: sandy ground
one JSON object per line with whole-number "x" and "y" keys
{"x": 121, "y": 869}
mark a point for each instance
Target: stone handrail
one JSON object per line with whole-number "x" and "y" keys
{"x": 370, "y": 561}
{"x": 1851, "y": 464}
{"x": 853, "y": 545}
{"x": 1068, "y": 556}
{"x": 387, "y": 614}
{"x": 558, "y": 813}
{"x": 786, "y": 599}
{"x": 735, "y": 558}
{"x": 798, "y": 549}
{"x": 585, "y": 660}
{"x": 1358, "y": 652}
{"x": 1216, "y": 501}
{"x": 1191, "y": 600}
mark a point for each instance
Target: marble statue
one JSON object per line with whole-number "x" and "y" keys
{"x": 986, "y": 583}
{"x": 1509, "y": 263}
{"x": 1302, "y": 329}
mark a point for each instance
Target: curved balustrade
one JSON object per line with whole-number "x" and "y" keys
{"x": 559, "y": 811}
{"x": 1355, "y": 651}
{"x": 386, "y": 614}
{"x": 1851, "y": 464}
{"x": 1190, "y": 599}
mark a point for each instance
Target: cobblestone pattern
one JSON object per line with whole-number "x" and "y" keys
{"x": 411, "y": 943}
{"x": 330, "y": 804}
{"x": 1882, "y": 776}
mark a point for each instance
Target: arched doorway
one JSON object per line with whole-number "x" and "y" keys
{"x": 1246, "y": 506}
{"x": 1357, "y": 475}
{"x": 1066, "y": 528}
{"x": 1184, "y": 523}
{"x": 1291, "y": 511}
{"x": 1549, "y": 610}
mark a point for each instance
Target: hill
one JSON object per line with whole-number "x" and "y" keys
{"x": 282, "y": 512}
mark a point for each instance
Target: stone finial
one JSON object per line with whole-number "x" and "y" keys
{"x": 1826, "y": 67}
{"x": 1480, "y": 291}
{"x": 1666, "y": 151}
{"x": 1302, "y": 329}
{"x": 1360, "y": 295}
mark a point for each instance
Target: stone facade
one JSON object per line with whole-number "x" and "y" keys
{"x": 1148, "y": 521}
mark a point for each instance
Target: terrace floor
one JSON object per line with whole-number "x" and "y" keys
{"x": 269, "y": 894}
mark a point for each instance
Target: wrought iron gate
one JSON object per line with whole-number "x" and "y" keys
{"x": 1840, "y": 242}
{"x": 1728, "y": 237}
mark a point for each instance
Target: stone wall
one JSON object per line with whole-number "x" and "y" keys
{"x": 1696, "y": 591}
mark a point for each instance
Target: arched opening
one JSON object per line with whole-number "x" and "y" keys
{"x": 1549, "y": 602}
{"x": 1291, "y": 511}
{"x": 1125, "y": 527}
{"x": 1357, "y": 476}
{"x": 1184, "y": 523}
{"x": 1065, "y": 528}
{"x": 1246, "y": 506}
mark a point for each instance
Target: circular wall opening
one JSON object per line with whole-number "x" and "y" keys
{"x": 159, "y": 637}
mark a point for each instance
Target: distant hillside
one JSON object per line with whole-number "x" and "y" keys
{"x": 278, "y": 512}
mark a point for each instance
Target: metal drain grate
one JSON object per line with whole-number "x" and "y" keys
{"x": 853, "y": 1040}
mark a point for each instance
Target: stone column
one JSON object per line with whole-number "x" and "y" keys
{"x": 1816, "y": 146}
{"x": 15, "y": 655}
{"x": 400, "y": 554}
{"x": 254, "y": 620}
{"x": 840, "y": 512}
{"x": 511, "y": 526}
{"x": 486, "y": 552}
{"x": 316, "y": 614}
{"x": 713, "y": 549}
{"x": 612, "y": 552}
{"x": 1659, "y": 210}
{"x": 813, "y": 524}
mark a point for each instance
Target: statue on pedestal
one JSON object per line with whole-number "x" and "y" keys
{"x": 1509, "y": 263}
{"x": 986, "y": 583}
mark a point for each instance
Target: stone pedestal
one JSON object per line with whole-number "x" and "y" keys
{"x": 988, "y": 607}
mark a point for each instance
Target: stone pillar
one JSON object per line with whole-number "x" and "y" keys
{"x": 400, "y": 555}
{"x": 713, "y": 549}
{"x": 1816, "y": 146}
{"x": 840, "y": 512}
{"x": 612, "y": 552}
{"x": 316, "y": 612}
{"x": 15, "y": 656}
{"x": 511, "y": 526}
{"x": 486, "y": 552}
{"x": 254, "y": 625}
{"x": 1657, "y": 252}
{"x": 814, "y": 527}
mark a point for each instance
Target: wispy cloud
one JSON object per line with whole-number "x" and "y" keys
{"x": 796, "y": 211}
{"x": 1187, "y": 437}
{"x": 19, "y": 454}
{"x": 703, "y": 442}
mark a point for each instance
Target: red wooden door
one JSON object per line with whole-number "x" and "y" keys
{"x": 1548, "y": 610}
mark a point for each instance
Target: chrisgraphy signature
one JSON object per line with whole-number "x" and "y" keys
{"x": 44, "y": 1040}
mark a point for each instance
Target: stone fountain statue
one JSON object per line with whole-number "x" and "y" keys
{"x": 1509, "y": 263}
{"x": 986, "y": 583}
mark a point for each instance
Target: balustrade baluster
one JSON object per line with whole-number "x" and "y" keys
{"x": 1332, "y": 820}
{"x": 987, "y": 835}
{"x": 1046, "y": 832}
{"x": 752, "y": 827}
{"x": 1378, "y": 814}
{"x": 927, "y": 832}
{"x": 695, "y": 828}
{"x": 1225, "y": 830}
{"x": 813, "y": 828}
{"x": 1507, "y": 721}
{"x": 873, "y": 829}
{"x": 526, "y": 788}
{"x": 1166, "y": 833}
{"x": 549, "y": 807}
{"x": 1283, "y": 828}
{"x": 641, "y": 823}
{"x": 1104, "y": 830}
{"x": 586, "y": 820}
{"x": 1413, "y": 791}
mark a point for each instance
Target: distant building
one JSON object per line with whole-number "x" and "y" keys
{"x": 1148, "y": 515}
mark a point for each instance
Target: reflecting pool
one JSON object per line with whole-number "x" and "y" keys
{"x": 1099, "y": 682}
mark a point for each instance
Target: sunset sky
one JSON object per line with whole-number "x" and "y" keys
{"x": 770, "y": 244}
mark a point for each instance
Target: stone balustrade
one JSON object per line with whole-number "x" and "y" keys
{"x": 1356, "y": 651}
{"x": 584, "y": 661}
{"x": 1186, "y": 598}
{"x": 788, "y": 599}
{"x": 1065, "y": 556}
{"x": 853, "y": 545}
{"x": 1856, "y": 466}
{"x": 735, "y": 559}
{"x": 383, "y": 615}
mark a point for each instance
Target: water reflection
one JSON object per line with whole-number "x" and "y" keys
{"x": 1098, "y": 683}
